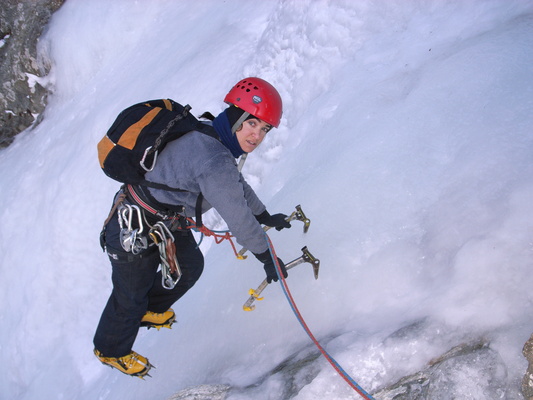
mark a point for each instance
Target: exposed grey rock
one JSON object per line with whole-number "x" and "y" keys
{"x": 468, "y": 371}
{"x": 22, "y": 98}
{"x": 293, "y": 374}
{"x": 202, "y": 392}
{"x": 527, "y": 381}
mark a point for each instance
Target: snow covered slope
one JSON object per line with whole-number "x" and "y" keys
{"x": 407, "y": 139}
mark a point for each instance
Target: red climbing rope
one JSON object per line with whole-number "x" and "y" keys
{"x": 331, "y": 360}
{"x": 219, "y": 236}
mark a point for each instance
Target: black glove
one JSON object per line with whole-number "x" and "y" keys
{"x": 270, "y": 267}
{"x": 278, "y": 221}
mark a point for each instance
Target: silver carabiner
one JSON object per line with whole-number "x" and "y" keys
{"x": 160, "y": 234}
{"x": 131, "y": 239}
{"x": 143, "y": 159}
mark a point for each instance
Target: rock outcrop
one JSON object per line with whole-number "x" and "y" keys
{"x": 527, "y": 381}
{"x": 470, "y": 370}
{"x": 22, "y": 98}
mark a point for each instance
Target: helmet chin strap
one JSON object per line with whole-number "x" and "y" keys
{"x": 242, "y": 161}
{"x": 234, "y": 128}
{"x": 239, "y": 122}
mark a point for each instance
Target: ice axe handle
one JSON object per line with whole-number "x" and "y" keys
{"x": 305, "y": 257}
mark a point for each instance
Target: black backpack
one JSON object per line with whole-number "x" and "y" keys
{"x": 140, "y": 132}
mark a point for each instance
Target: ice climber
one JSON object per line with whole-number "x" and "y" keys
{"x": 199, "y": 164}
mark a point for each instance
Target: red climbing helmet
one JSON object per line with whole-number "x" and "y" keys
{"x": 257, "y": 97}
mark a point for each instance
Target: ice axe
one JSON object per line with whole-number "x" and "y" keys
{"x": 305, "y": 257}
{"x": 298, "y": 214}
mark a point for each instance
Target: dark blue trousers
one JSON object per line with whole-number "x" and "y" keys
{"x": 137, "y": 288}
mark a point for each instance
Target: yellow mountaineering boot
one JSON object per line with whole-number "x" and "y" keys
{"x": 158, "y": 320}
{"x": 132, "y": 364}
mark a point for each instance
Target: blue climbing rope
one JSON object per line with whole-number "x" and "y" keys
{"x": 225, "y": 235}
{"x": 294, "y": 308}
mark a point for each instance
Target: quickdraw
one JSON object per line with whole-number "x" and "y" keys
{"x": 170, "y": 268}
{"x": 131, "y": 239}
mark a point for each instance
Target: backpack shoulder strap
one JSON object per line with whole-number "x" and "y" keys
{"x": 208, "y": 130}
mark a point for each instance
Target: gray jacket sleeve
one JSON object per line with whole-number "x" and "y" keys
{"x": 225, "y": 189}
{"x": 253, "y": 201}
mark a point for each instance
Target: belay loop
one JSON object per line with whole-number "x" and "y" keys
{"x": 170, "y": 268}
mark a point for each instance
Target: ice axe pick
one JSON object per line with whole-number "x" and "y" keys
{"x": 298, "y": 215}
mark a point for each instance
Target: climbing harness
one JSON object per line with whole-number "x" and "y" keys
{"x": 136, "y": 198}
{"x": 294, "y": 308}
{"x": 134, "y": 238}
{"x": 170, "y": 268}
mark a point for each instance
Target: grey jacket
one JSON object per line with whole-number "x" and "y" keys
{"x": 198, "y": 163}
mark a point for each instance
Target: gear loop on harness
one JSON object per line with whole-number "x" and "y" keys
{"x": 160, "y": 231}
